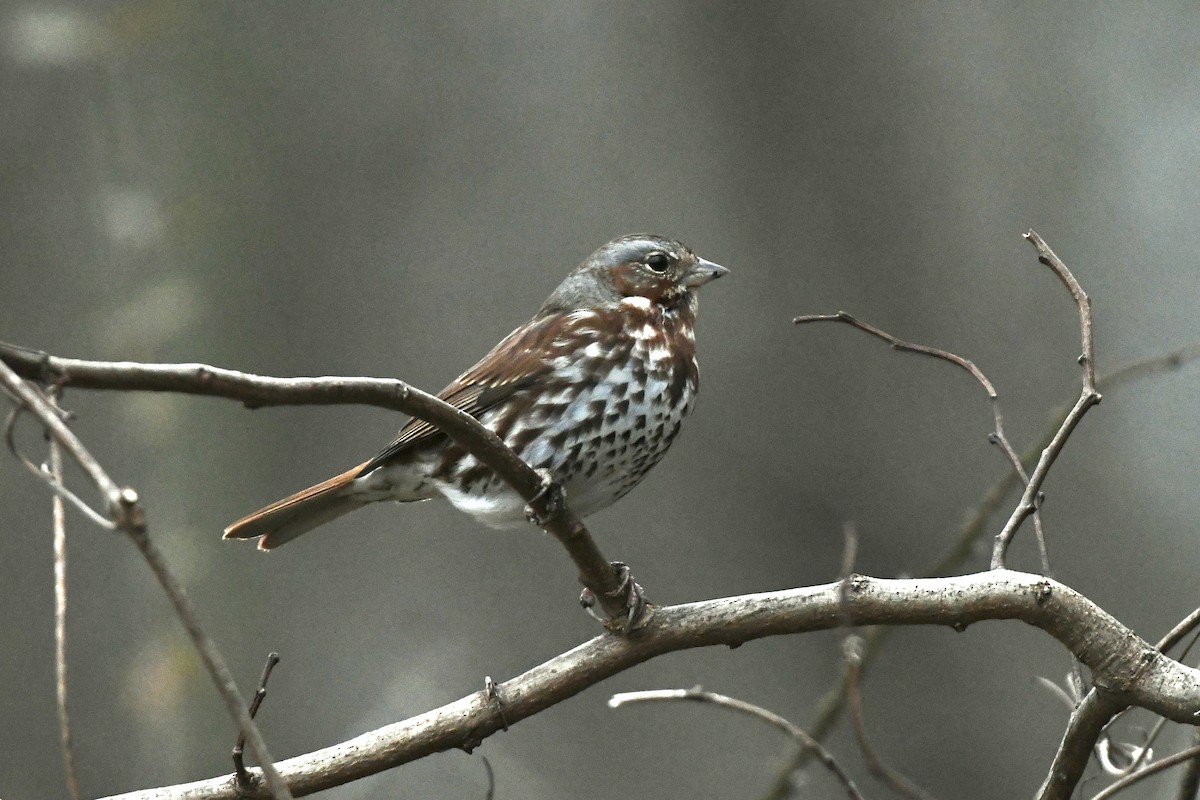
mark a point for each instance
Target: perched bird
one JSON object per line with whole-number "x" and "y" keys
{"x": 592, "y": 389}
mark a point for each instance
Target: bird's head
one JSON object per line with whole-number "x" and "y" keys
{"x": 660, "y": 270}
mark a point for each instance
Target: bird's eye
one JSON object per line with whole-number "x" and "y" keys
{"x": 657, "y": 262}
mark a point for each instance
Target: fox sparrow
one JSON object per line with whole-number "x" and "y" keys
{"x": 593, "y": 389}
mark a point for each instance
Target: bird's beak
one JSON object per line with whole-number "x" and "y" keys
{"x": 702, "y": 273}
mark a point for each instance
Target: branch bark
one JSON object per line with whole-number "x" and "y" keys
{"x": 1131, "y": 671}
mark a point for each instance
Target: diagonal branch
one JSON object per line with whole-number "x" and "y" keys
{"x": 1133, "y": 671}
{"x": 608, "y": 583}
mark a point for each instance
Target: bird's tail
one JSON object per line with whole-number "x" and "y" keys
{"x": 286, "y": 519}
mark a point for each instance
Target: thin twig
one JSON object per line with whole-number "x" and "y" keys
{"x": 1181, "y": 629}
{"x": 852, "y": 658}
{"x": 1087, "y": 358}
{"x": 213, "y": 661}
{"x": 997, "y": 436}
{"x": 798, "y": 735}
{"x": 899, "y": 344}
{"x": 1088, "y": 397}
{"x": 239, "y": 765}
{"x": 611, "y": 585}
{"x": 1189, "y": 784}
{"x": 59, "y": 515}
{"x": 25, "y": 395}
{"x": 127, "y": 515}
{"x": 56, "y": 485}
{"x": 975, "y": 526}
{"x": 890, "y": 777}
{"x": 491, "y": 777}
{"x": 1147, "y": 771}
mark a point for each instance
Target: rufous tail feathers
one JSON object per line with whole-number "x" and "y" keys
{"x": 286, "y": 519}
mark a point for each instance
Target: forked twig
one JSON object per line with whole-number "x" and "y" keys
{"x": 797, "y": 733}
{"x": 996, "y": 437}
{"x": 54, "y": 482}
{"x": 975, "y": 526}
{"x": 239, "y": 764}
{"x": 127, "y": 516}
{"x": 1088, "y": 397}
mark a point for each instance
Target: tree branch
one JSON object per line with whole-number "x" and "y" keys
{"x": 611, "y": 585}
{"x": 1131, "y": 670}
{"x": 59, "y": 515}
{"x": 975, "y": 526}
{"x": 127, "y": 516}
{"x": 1088, "y": 397}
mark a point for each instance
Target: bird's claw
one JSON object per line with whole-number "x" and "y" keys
{"x": 632, "y": 597}
{"x": 548, "y": 502}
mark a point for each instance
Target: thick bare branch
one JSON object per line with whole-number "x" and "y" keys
{"x": 1129, "y": 668}
{"x": 1091, "y": 717}
{"x": 607, "y": 583}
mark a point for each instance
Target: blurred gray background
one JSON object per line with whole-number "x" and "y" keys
{"x": 388, "y": 188}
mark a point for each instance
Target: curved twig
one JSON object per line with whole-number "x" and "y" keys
{"x": 975, "y": 526}
{"x": 51, "y": 479}
{"x": 1145, "y": 772}
{"x": 798, "y": 735}
{"x": 997, "y": 437}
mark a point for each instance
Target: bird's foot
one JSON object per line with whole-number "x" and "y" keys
{"x": 631, "y": 596}
{"x": 548, "y": 502}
